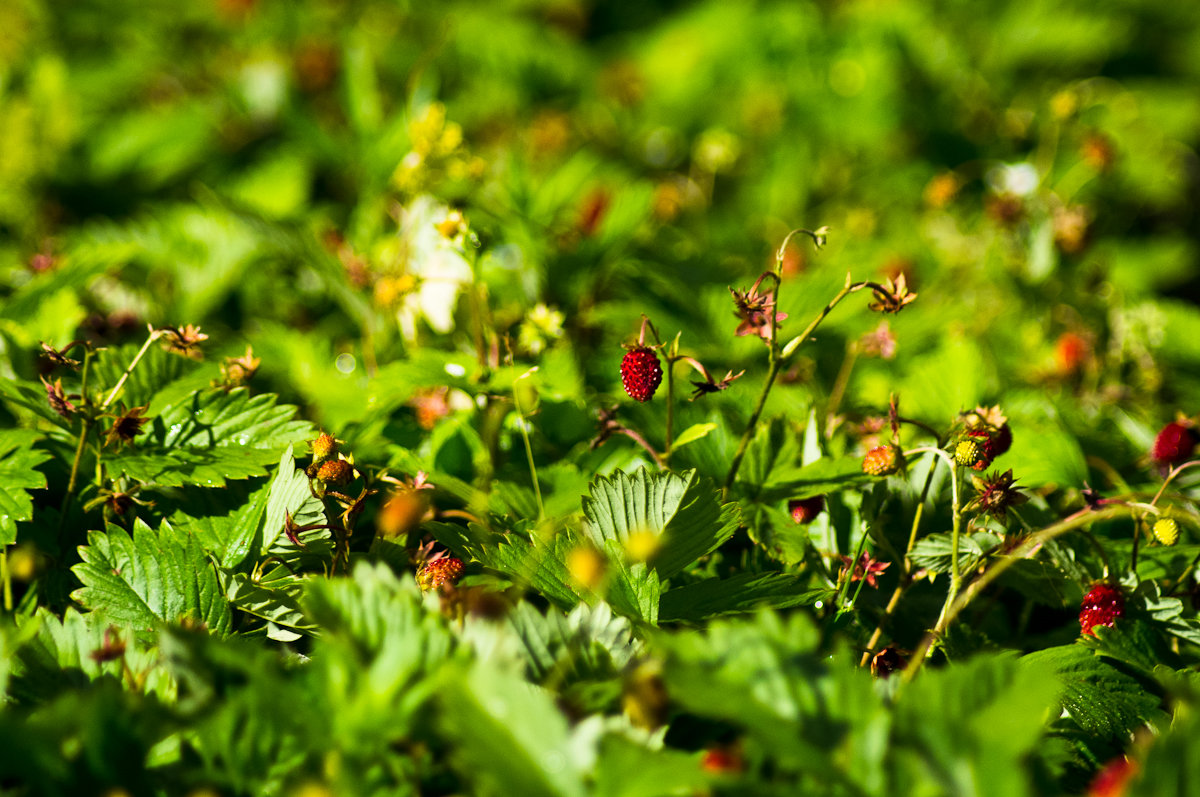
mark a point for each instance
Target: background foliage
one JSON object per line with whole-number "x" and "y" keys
{"x": 189, "y": 610}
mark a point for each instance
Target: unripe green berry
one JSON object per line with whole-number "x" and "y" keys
{"x": 967, "y": 453}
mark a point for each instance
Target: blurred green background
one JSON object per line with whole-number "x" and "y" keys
{"x": 272, "y": 171}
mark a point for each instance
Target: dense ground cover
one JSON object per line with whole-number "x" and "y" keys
{"x": 622, "y": 399}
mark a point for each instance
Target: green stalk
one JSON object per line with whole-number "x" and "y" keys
{"x": 7, "y": 577}
{"x": 1029, "y": 546}
{"x": 85, "y": 431}
{"x": 670, "y": 406}
{"x": 906, "y": 574}
{"x": 155, "y": 335}
{"x": 955, "y": 532}
{"x": 537, "y": 490}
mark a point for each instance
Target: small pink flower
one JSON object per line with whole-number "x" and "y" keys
{"x": 865, "y": 568}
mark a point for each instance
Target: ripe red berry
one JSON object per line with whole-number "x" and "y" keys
{"x": 722, "y": 760}
{"x": 1102, "y": 606}
{"x": 641, "y": 373}
{"x": 438, "y": 572}
{"x": 804, "y": 510}
{"x": 1174, "y": 444}
{"x": 1113, "y": 779}
{"x": 1001, "y": 441}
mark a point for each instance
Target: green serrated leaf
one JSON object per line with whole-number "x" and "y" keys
{"x": 274, "y": 597}
{"x": 743, "y": 592}
{"x": 825, "y": 475}
{"x": 150, "y": 578}
{"x": 18, "y": 460}
{"x": 628, "y": 769}
{"x": 935, "y": 552}
{"x": 682, "y": 510}
{"x": 209, "y": 437}
{"x": 1104, "y": 701}
{"x": 540, "y": 563}
{"x": 291, "y": 493}
{"x": 230, "y": 538}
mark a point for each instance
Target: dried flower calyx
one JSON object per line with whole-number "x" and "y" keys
{"x": 892, "y": 296}
{"x": 184, "y": 341}
{"x": 60, "y": 402}
{"x": 756, "y": 309}
{"x": 996, "y": 493}
{"x": 126, "y": 426}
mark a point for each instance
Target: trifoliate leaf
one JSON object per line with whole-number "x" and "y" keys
{"x": 681, "y": 512}
{"x": 209, "y": 437}
{"x": 153, "y": 577}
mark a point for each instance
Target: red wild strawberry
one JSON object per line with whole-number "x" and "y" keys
{"x": 641, "y": 373}
{"x": 1113, "y": 779}
{"x": 1102, "y": 606}
{"x": 722, "y": 760}
{"x": 804, "y": 510}
{"x": 1174, "y": 444}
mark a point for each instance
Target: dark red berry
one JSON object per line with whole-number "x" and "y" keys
{"x": 1174, "y": 444}
{"x": 1102, "y": 606}
{"x": 641, "y": 373}
{"x": 804, "y": 510}
{"x": 1001, "y": 441}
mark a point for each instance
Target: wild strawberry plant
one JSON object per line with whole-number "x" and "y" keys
{"x": 379, "y": 444}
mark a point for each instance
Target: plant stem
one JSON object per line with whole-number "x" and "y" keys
{"x": 85, "y": 431}
{"x": 670, "y": 406}
{"x": 154, "y": 335}
{"x": 1027, "y": 548}
{"x": 955, "y": 532}
{"x": 7, "y": 578}
{"x": 842, "y": 380}
{"x": 752, "y": 423}
{"x": 906, "y": 573}
{"x": 537, "y": 490}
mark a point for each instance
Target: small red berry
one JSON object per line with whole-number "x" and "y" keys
{"x": 438, "y": 572}
{"x": 883, "y": 461}
{"x": 1001, "y": 441}
{"x": 1174, "y": 444}
{"x": 722, "y": 760}
{"x": 641, "y": 373}
{"x": 1102, "y": 606}
{"x": 804, "y": 510}
{"x": 1113, "y": 779}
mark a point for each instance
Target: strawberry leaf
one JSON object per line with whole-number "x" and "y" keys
{"x": 744, "y": 592}
{"x": 209, "y": 437}
{"x": 18, "y": 460}
{"x": 682, "y": 511}
{"x": 150, "y": 578}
